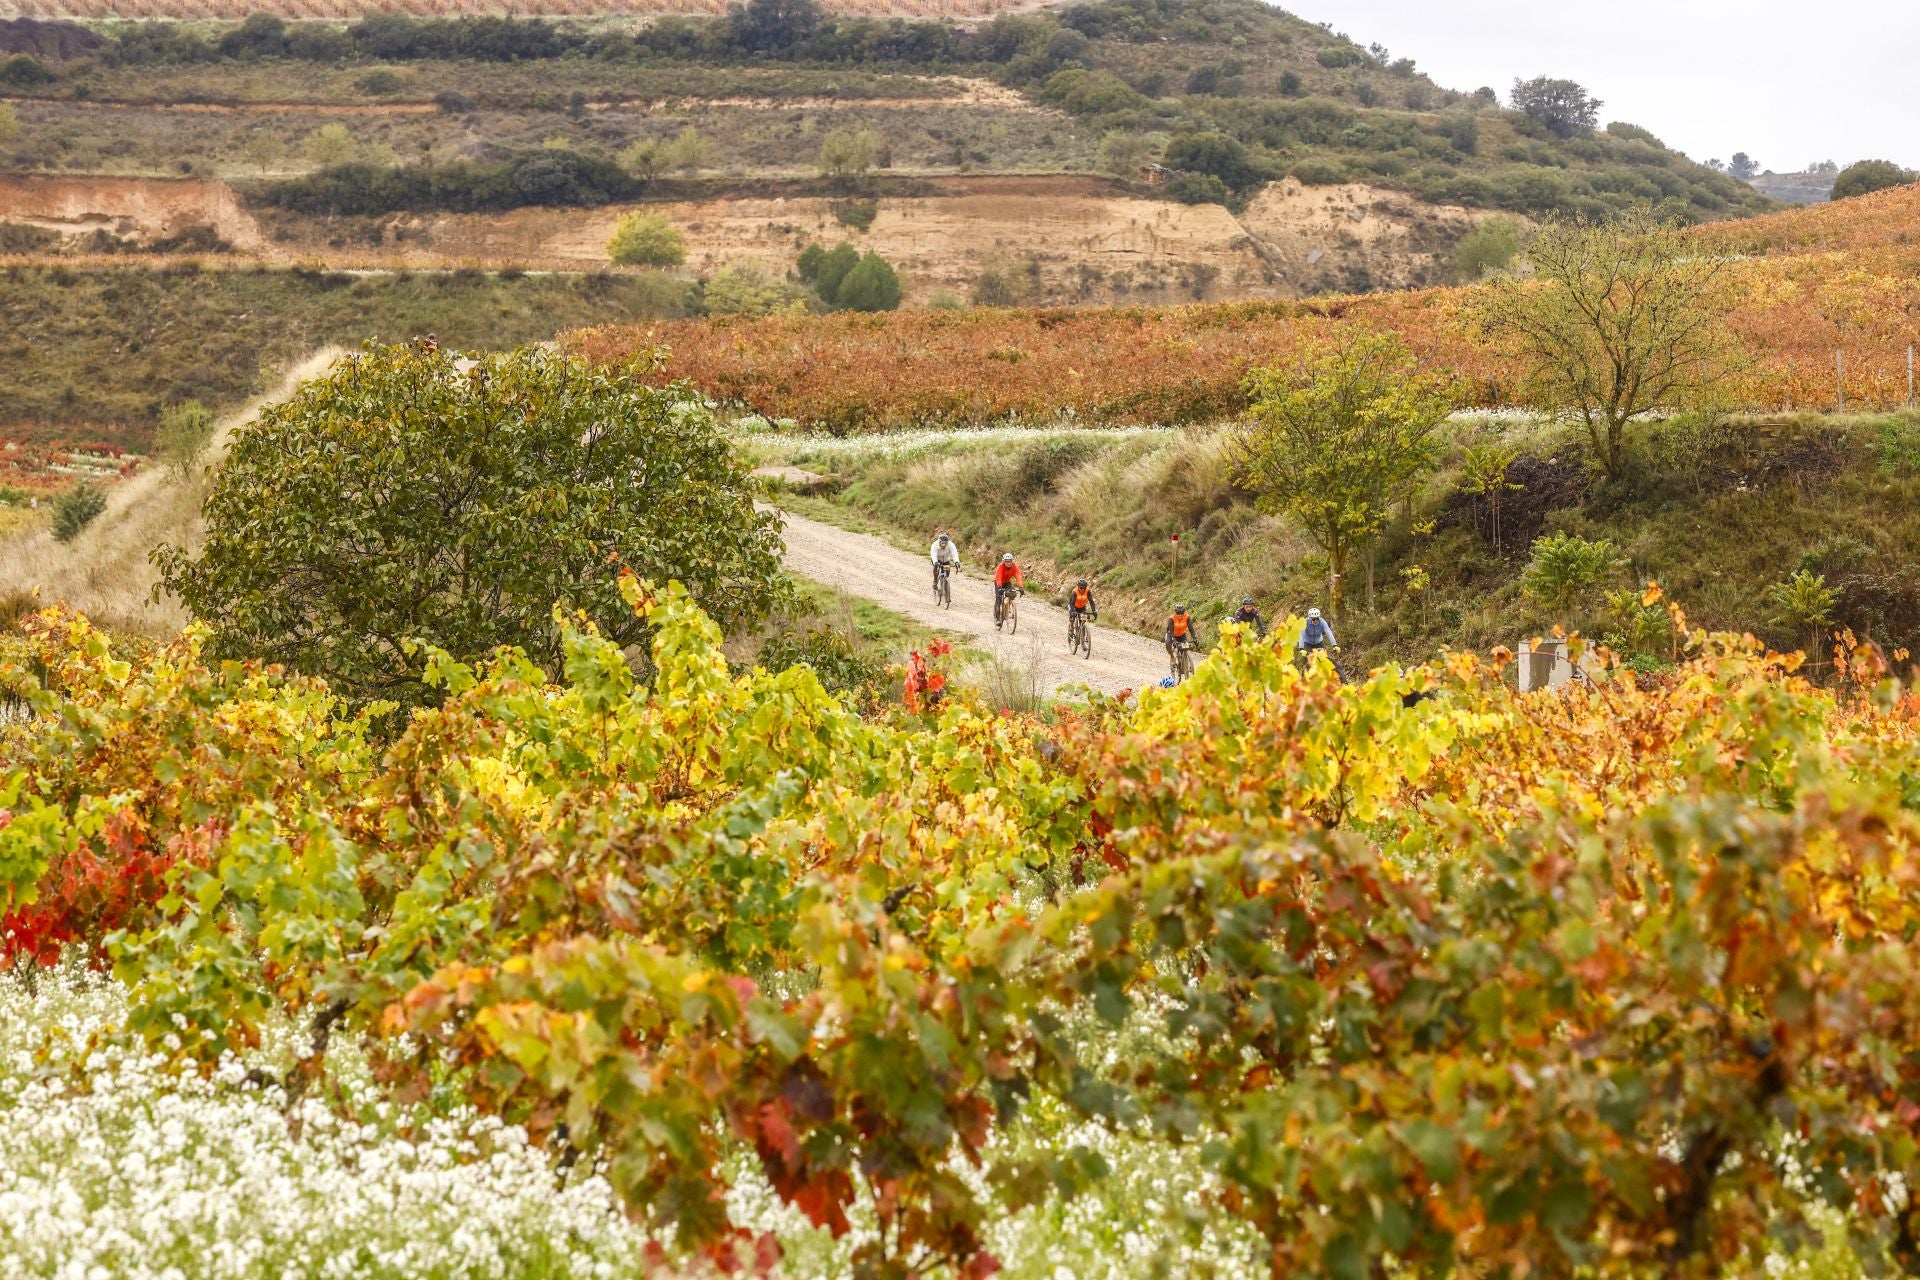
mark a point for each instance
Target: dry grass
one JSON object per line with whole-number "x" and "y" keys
{"x": 106, "y": 572}
{"x": 1011, "y": 677}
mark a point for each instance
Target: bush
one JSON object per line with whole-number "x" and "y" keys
{"x": 872, "y": 285}
{"x": 1320, "y": 173}
{"x": 75, "y": 509}
{"x": 824, "y": 269}
{"x": 848, "y": 153}
{"x": 1868, "y": 176}
{"x": 483, "y": 498}
{"x": 23, "y": 72}
{"x": 1489, "y": 247}
{"x": 1562, "y": 107}
{"x": 647, "y": 240}
{"x": 740, "y": 289}
{"x": 858, "y": 214}
{"x": 1198, "y": 188}
{"x": 380, "y": 83}
{"x": 185, "y": 434}
{"x": 1567, "y": 569}
{"x": 841, "y": 668}
{"x": 1211, "y": 152}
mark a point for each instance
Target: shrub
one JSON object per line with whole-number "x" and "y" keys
{"x": 848, "y": 153}
{"x": 1211, "y": 152}
{"x": 1198, "y": 188}
{"x": 1868, "y": 176}
{"x": 185, "y": 434}
{"x": 647, "y": 240}
{"x": 1320, "y": 173}
{"x": 1489, "y": 247}
{"x": 872, "y": 285}
{"x": 740, "y": 289}
{"x": 482, "y": 498}
{"x": 841, "y": 667}
{"x": 380, "y": 83}
{"x": 1804, "y": 601}
{"x": 824, "y": 269}
{"x": 858, "y": 214}
{"x": 23, "y": 72}
{"x": 1567, "y": 569}
{"x": 1123, "y": 153}
{"x": 75, "y": 509}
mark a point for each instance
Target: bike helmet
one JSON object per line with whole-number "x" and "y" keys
{"x": 1007, "y": 558}
{"x": 1313, "y": 613}
{"x": 1081, "y": 583}
{"x": 944, "y": 538}
{"x": 1179, "y": 608}
{"x": 1247, "y": 601}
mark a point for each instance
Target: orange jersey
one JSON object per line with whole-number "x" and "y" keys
{"x": 1007, "y": 573}
{"x": 1179, "y": 624}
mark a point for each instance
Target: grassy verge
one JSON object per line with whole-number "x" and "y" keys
{"x": 99, "y": 351}
{"x": 1717, "y": 518}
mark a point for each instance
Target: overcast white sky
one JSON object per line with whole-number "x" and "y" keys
{"x": 1786, "y": 81}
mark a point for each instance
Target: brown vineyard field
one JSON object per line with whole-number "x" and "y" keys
{"x": 1806, "y": 302}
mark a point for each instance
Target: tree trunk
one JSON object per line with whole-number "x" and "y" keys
{"x": 1336, "y": 575}
{"x": 1370, "y": 558}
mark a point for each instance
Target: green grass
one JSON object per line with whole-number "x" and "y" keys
{"x": 1716, "y": 524}
{"x": 106, "y": 347}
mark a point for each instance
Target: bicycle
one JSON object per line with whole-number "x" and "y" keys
{"x": 943, "y": 586}
{"x": 1182, "y": 663}
{"x": 1306, "y": 662}
{"x": 1079, "y": 635}
{"x": 1006, "y": 610}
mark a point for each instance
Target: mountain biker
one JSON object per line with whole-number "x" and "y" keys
{"x": 1318, "y": 635}
{"x": 1006, "y": 579}
{"x": 1180, "y": 631}
{"x": 944, "y": 551}
{"x": 1249, "y": 616}
{"x": 1080, "y": 600}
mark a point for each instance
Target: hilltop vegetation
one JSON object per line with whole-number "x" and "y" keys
{"x": 1229, "y": 94}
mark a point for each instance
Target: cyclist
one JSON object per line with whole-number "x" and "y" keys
{"x": 1080, "y": 600}
{"x": 1006, "y": 580}
{"x": 944, "y": 551}
{"x": 1319, "y": 635}
{"x": 1249, "y": 616}
{"x": 1180, "y": 632}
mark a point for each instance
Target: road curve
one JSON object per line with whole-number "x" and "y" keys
{"x": 863, "y": 565}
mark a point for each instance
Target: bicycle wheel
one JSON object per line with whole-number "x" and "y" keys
{"x": 1086, "y": 638}
{"x": 946, "y": 591}
{"x": 1013, "y": 616}
{"x": 1185, "y": 657}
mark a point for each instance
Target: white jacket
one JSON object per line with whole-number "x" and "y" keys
{"x": 953, "y": 552}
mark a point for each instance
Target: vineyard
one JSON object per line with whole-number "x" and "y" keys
{"x": 343, "y": 10}
{"x": 1842, "y": 279}
{"x": 1618, "y": 982}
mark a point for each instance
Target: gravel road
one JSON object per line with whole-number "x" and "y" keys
{"x": 863, "y": 565}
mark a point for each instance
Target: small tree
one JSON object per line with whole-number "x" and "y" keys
{"x": 1868, "y": 176}
{"x": 75, "y": 509}
{"x": 1742, "y": 166}
{"x": 1561, "y": 105}
{"x": 1123, "y": 153}
{"x": 848, "y": 153}
{"x": 329, "y": 145}
{"x": 740, "y": 289}
{"x": 1484, "y": 475}
{"x": 689, "y": 152}
{"x": 1340, "y": 437}
{"x": 264, "y": 149}
{"x": 1620, "y": 319}
{"x": 185, "y": 435}
{"x": 402, "y": 498}
{"x": 872, "y": 285}
{"x": 825, "y": 269}
{"x": 647, "y": 240}
{"x": 1489, "y": 247}
{"x": 1804, "y": 600}
{"x": 645, "y": 158}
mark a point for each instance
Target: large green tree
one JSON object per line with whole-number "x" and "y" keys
{"x": 1868, "y": 176}
{"x": 1618, "y": 320}
{"x": 1340, "y": 436}
{"x": 409, "y": 496}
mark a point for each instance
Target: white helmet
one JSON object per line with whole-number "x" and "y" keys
{"x": 1007, "y": 558}
{"x": 1313, "y": 613}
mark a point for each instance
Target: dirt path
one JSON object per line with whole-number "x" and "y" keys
{"x": 865, "y": 566}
